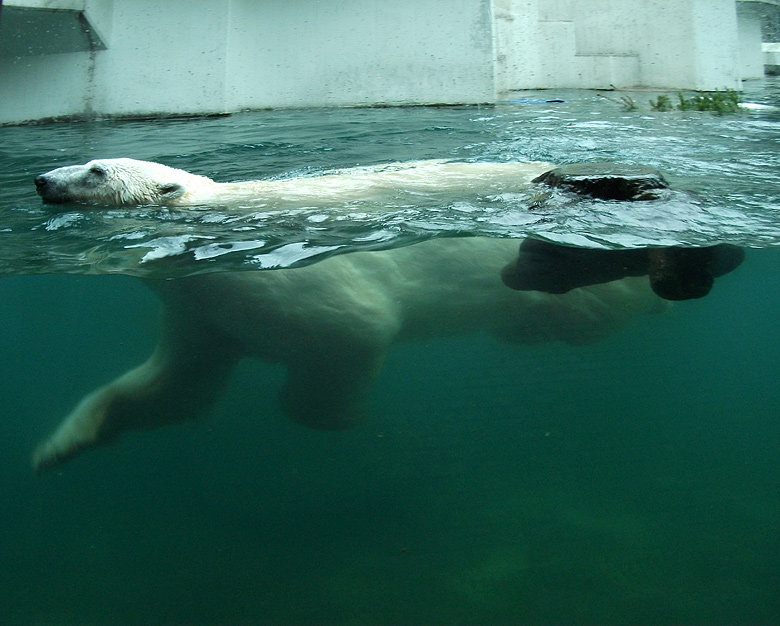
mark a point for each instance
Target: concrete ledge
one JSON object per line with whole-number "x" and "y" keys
{"x": 30, "y": 31}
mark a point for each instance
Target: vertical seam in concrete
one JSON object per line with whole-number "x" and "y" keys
{"x": 89, "y": 91}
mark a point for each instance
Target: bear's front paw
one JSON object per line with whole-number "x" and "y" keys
{"x": 85, "y": 427}
{"x": 54, "y": 452}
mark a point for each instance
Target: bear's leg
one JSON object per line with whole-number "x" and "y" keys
{"x": 181, "y": 379}
{"x": 686, "y": 273}
{"x": 328, "y": 388}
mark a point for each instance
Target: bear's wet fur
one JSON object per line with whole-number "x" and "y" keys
{"x": 606, "y": 181}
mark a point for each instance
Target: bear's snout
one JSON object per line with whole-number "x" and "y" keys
{"x": 44, "y": 188}
{"x": 48, "y": 190}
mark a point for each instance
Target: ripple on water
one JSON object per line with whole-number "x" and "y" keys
{"x": 729, "y": 165}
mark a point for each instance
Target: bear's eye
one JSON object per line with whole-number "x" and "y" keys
{"x": 97, "y": 171}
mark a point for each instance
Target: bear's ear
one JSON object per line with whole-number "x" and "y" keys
{"x": 170, "y": 191}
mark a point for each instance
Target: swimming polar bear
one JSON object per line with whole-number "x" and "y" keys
{"x": 128, "y": 182}
{"x": 330, "y": 323}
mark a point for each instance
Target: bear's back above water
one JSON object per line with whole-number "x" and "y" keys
{"x": 128, "y": 182}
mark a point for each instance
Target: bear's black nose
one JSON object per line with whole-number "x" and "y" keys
{"x": 41, "y": 181}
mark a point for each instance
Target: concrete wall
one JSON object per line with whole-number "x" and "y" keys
{"x": 355, "y": 52}
{"x": 167, "y": 57}
{"x": 47, "y": 52}
{"x": 146, "y": 57}
{"x": 674, "y": 44}
{"x": 180, "y": 56}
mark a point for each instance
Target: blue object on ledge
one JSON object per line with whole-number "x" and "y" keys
{"x": 536, "y": 101}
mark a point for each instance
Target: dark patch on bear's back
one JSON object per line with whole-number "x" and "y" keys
{"x": 606, "y": 181}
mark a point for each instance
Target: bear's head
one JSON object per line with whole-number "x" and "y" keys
{"x": 117, "y": 182}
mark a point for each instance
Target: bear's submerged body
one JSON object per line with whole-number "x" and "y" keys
{"x": 331, "y": 323}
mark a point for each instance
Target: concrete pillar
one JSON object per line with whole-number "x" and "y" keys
{"x": 675, "y": 44}
{"x": 750, "y": 16}
{"x": 715, "y": 44}
{"x": 751, "y": 56}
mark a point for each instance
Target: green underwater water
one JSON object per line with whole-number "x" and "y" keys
{"x": 636, "y": 480}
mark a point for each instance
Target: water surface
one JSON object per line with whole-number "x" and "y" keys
{"x": 723, "y": 170}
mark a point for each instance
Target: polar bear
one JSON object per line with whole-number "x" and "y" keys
{"x": 330, "y": 323}
{"x": 128, "y": 182}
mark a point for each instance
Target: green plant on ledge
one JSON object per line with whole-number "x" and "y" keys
{"x": 716, "y": 101}
{"x": 627, "y": 102}
{"x": 662, "y": 103}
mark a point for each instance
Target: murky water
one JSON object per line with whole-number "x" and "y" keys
{"x": 633, "y": 480}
